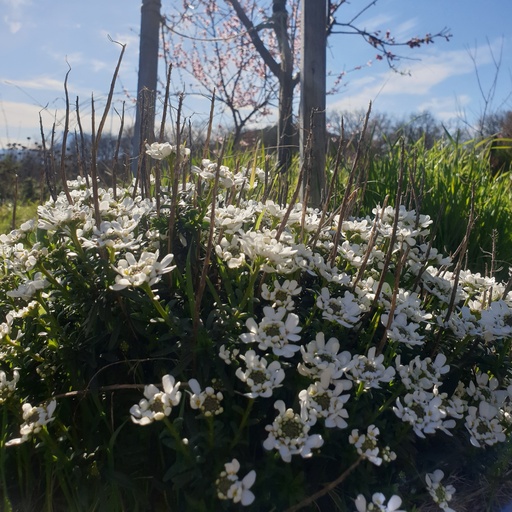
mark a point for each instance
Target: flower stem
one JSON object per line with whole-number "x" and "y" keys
{"x": 243, "y": 422}
{"x": 5, "y": 499}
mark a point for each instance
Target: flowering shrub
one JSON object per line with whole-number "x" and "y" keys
{"x": 170, "y": 344}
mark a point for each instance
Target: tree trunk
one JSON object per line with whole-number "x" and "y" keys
{"x": 148, "y": 75}
{"x": 285, "y": 128}
{"x": 313, "y": 93}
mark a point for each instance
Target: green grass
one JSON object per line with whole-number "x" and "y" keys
{"x": 441, "y": 182}
{"x": 24, "y": 212}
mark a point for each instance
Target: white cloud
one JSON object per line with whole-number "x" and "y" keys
{"x": 13, "y": 16}
{"x": 39, "y": 83}
{"x": 446, "y": 108}
{"x": 21, "y": 120}
{"x": 14, "y": 26}
{"x": 430, "y": 70}
{"x": 377, "y": 22}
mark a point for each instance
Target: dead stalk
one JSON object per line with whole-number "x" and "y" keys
{"x": 82, "y": 142}
{"x": 327, "y": 488}
{"x": 116, "y": 154}
{"x": 64, "y": 142}
{"x": 392, "y": 240}
{"x": 348, "y": 188}
{"x": 161, "y": 135}
{"x": 175, "y": 174}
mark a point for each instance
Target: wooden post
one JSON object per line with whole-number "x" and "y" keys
{"x": 148, "y": 75}
{"x": 313, "y": 92}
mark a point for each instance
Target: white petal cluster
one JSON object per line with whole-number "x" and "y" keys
{"x": 366, "y": 446}
{"x": 207, "y": 401}
{"x": 7, "y": 387}
{"x": 277, "y": 331}
{"x": 422, "y": 373}
{"x": 35, "y": 418}
{"x": 318, "y": 356}
{"x": 261, "y": 377}
{"x": 157, "y": 404}
{"x": 161, "y": 150}
{"x": 274, "y": 255}
{"x": 230, "y": 487}
{"x": 441, "y": 494}
{"x": 326, "y": 403}
{"x": 282, "y": 294}
{"x": 147, "y": 269}
{"x": 426, "y": 411}
{"x": 344, "y": 310}
{"x": 378, "y": 503}
{"x": 370, "y": 371}
{"x": 30, "y": 287}
{"x": 289, "y": 434}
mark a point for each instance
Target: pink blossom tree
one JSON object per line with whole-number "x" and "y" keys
{"x": 246, "y": 53}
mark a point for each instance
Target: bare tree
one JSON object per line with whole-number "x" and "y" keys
{"x": 273, "y": 31}
{"x": 211, "y": 49}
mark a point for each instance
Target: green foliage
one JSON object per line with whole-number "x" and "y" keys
{"x": 443, "y": 182}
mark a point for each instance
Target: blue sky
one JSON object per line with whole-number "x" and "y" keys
{"x": 39, "y": 37}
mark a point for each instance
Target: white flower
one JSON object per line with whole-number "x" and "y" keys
{"x": 230, "y": 252}
{"x": 157, "y": 404}
{"x": 274, "y": 255}
{"x": 402, "y": 330}
{"x": 289, "y": 434}
{"x": 159, "y": 151}
{"x": 230, "y": 219}
{"x": 260, "y": 376}
{"x": 378, "y": 503}
{"x": 423, "y": 373}
{"x": 229, "y": 487}
{"x": 228, "y": 355}
{"x": 441, "y": 494}
{"x": 319, "y": 356}
{"x": 29, "y": 288}
{"x": 35, "y": 419}
{"x": 207, "y": 401}
{"x": 366, "y": 445}
{"x": 326, "y": 403}
{"x": 484, "y": 425}
{"x": 147, "y": 270}
{"x": 7, "y": 387}
{"x": 274, "y": 333}
{"x": 496, "y": 322}
{"x": 209, "y": 171}
{"x": 370, "y": 371}
{"x": 425, "y": 411}
{"x": 344, "y": 310}
{"x": 282, "y": 294}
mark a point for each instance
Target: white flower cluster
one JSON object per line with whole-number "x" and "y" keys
{"x": 157, "y": 404}
{"x": 35, "y": 418}
{"x": 207, "y": 401}
{"x": 161, "y": 150}
{"x": 366, "y": 446}
{"x": 148, "y": 269}
{"x": 230, "y": 487}
{"x": 378, "y": 503}
{"x": 327, "y": 315}
{"x": 261, "y": 377}
{"x": 289, "y": 434}
{"x": 7, "y": 387}
{"x": 441, "y": 494}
